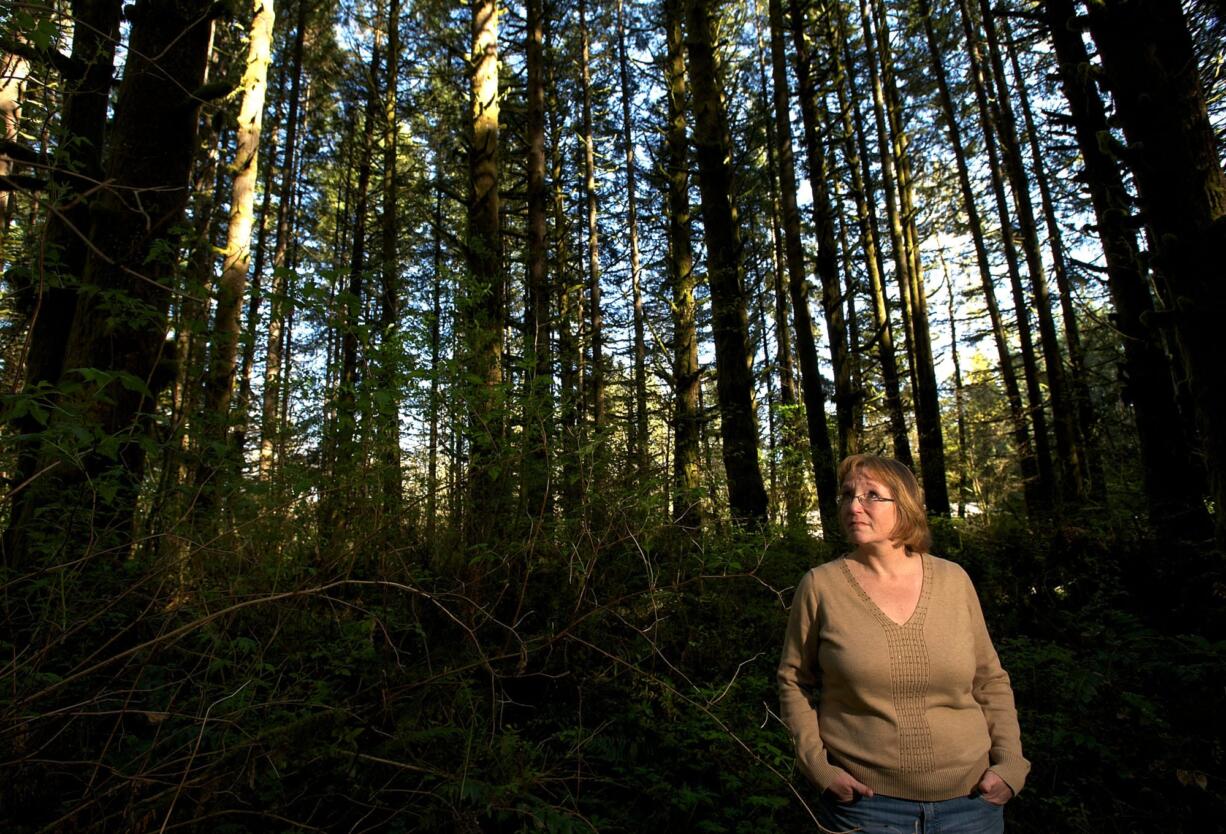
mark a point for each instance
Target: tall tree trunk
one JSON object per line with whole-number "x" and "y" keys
{"x": 1063, "y": 408}
{"x": 806, "y": 349}
{"x": 242, "y": 399}
{"x": 387, "y": 373}
{"x": 794, "y": 438}
{"x": 896, "y": 176}
{"x": 1175, "y": 496}
{"x": 87, "y": 497}
{"x": 687, "y": 414}
{"x": 734, "y": 380}
{"x": 436, "y": 320}
{"x": 538, "y": 403}
{"x": 856, "y": 151}
{"x": 1017, "y": 412}
{"x": 49, "y": 306}
{"x": 1089, "y": 457}
{"x": 1042, "y": 494}
{"x": 341, "y": 454}
{"x": 959, "y": 398}
{"x": 596, "y": 336}
{"x": 567, "y": 290}
{"x": 269, "y": 426}
{"x": 792, "y": 513}
{"x": 823, "y": 222}
{"x": 889, "y": 180}
{"x": 850, "y": 284}
{"x": 482, "y": 304}
{"x": 219, "y": 383}
{"x": 192, "y": 308}
{"x": 639, "y": 452}
{"x": 1151, "y": 71}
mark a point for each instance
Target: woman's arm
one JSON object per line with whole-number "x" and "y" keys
{"x": 799, "y": 677}
{"x": 994, "y": 694}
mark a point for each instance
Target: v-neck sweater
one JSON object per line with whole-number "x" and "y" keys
{"x": 917, "y": 710}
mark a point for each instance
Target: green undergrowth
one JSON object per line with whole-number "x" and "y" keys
{"x": 621, "y": 684}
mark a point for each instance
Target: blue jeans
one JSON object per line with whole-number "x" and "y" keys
{"x": 886, "y": 815}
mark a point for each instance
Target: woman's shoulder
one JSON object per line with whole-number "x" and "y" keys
{"x": 827, "y": 569}
{"x": 948, "y": 570}
{"x": 821, "y": 574}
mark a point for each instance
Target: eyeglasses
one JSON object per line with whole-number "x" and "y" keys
{"x": 870, "y": 499}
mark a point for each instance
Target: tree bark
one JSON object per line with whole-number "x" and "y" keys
{"x": 1063, "y": 408}
{"x": 50, "y": 305}
{"x": 823, "y": 223}
{"x": 639, "y": 448}
{"x": 959, "y": 399}
{"x": 1042, "y": 494}
{"x": 538, "y": 361}
{"x": 219, "y": 383}
{"x": 93, "y": 490}
{"x": 341, "y": 456}
{"x": 896, "y": 175}
{"x": 568, "y": 289}
{"x": 687, "y": 415}
{"x": 856, "y": 151}
{"x": 1089, "y": 455}
{"x": 387, "y": 371}
{"x": 191, "y": 310}
{"x": 793, "y": 434}
{"x": 269, "y": 425}
{"x": 1151, "y": 71}
{"x": 596, "y": 379}
{"x": 436, "y": 321}
{"x": 1017, "y": 412}
{"x": 1174, "y": 495}
{"x": 729, "y": 323}
{"x": 482, "y": 304}
{"x": 811, "y": 382}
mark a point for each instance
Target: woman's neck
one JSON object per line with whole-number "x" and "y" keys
{"x": 883, "y": 558}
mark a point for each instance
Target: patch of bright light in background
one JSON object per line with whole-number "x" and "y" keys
{"x": 958, "y": 256}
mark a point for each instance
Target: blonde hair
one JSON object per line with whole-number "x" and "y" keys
{"x": 911, "y": 528}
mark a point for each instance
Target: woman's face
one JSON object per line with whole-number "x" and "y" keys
{"x": 866, "y": 510}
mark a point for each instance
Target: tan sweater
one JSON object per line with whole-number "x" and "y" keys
{"x": 916, "y": 711}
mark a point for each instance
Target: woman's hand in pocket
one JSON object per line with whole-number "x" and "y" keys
{"x": 846, "y": 788}
{"x": 994, "y": 789}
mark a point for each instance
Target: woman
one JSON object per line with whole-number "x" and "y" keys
{"x": 911, "y": 726}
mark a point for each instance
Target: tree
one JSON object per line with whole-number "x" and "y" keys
{"x": 482, "y": 305}
{"x": 538, "y": 399}
{"x": 1063, "y": 407}
{"x": 896, "y": 184}
{"x": 856, "y": 153}
{"x": 845, "y": 395}
{"x": 114, "y": 361}
{"x": 1021, "y": 429}
{"x": 49, "y": 308}
{"x": 387, "y": 371}
{"x": 1151, "y": 71}
{"x": 806, "y": 349}
{"x": 269, "y": 425}
{"x": 729, "y": 317}
{"x": 596, "y": 394}
{"x": 687, "y": 414}
{"x": 1041, "y": 495}
{"x": 219, "y": 383}
{"x": 640, "y": 437}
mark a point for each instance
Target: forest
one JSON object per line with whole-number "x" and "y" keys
{"x": 415, "y": 416}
